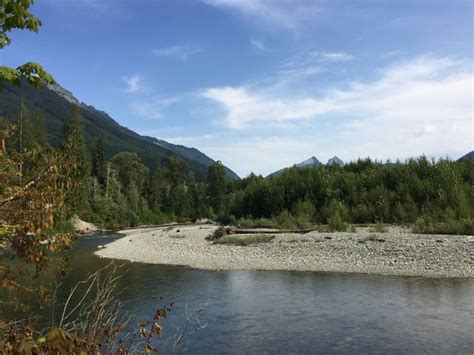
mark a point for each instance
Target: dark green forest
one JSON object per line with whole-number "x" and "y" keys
{"x": 435, "y": 196}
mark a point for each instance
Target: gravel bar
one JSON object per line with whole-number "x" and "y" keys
{"x": 396, "y": 252}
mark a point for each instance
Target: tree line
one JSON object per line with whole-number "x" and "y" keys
{"x": 434, "y": 195}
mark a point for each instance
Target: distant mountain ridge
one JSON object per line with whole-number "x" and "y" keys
{"x": 309, "y": 163}
{"x": 335, "y": 161}
{"x": 467, "y": 156}
{"x": 55, "y": 102}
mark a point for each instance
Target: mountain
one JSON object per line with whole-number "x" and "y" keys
{"x": 56, "y": 102}
{"x": 335, "y": 161}
{"x": 190, "y": 153}
{"x": 468, "y": 156}
{"x": 308, "y": 163}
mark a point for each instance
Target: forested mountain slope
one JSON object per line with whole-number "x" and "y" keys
{"x": 56, "y": 102}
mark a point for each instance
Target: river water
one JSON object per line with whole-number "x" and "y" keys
{"x": 297, "y": 312}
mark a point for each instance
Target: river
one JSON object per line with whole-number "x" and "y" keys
{"x": 297, "y": 312}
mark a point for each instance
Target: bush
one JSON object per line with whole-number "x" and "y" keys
{"x": 379, "y": 228}
{"x": 255, "y": 223}
{"x": 337, "y": 216}
{"x": 337, "y": 224}
{"x": 285, "y": 220}
{"x": 426, "y": 225}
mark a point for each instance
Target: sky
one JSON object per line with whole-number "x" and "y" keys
{"x": 264, "y": 84}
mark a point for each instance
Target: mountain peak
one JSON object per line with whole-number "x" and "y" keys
{"x": 335, "y": 161}
{"x": 313, "y": 161}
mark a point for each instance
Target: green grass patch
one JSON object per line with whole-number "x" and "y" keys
{"x": 244, "y": 241}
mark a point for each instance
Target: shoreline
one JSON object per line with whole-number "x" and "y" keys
{"x": 397, "y": 252}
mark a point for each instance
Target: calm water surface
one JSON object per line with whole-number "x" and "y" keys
{"x": 299, "y": 312}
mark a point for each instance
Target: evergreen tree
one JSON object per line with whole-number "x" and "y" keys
{"x": 157, "y": 190}
{"x": 216, "y": 182}
{"x": 25, "y": 136}
{"x": 74, "y": 148}
{"x": 39, "y": 123}
{"x": 98, "y": 160}
{"x": 174, "y": 170}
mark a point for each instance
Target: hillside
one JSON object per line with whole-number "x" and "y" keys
{"x": 56, "y": 104}
{"x": 468, "y": 156}
{"x": 190, "y": 153}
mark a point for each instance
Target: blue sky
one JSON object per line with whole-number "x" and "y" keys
{"x": 263, "y": 84}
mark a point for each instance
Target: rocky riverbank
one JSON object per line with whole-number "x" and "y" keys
{"x": 396, "y": 252}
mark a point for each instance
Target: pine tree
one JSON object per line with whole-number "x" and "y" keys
{"x": 99, "y": 169}
{"x": 74, "y": 148}
{"x": 25, "y": 137}
{"x": 217, "y": 182}
{"x": 39, "y": 123}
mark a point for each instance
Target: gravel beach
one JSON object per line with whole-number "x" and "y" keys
{"x": 396, "y": 252}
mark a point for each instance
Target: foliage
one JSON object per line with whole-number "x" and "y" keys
{"x": 216, "y": 184}
{"x": 426, "y": 225}
{"x": 14, "y": 14}
{"x": 75, "y": 151}
{"x": 33, "y": 184}
{"x": 92, "y": 321}
{"x": 244, "y": 241}
{"x": 379, "y": 227}
{"x": 360, "y": 192}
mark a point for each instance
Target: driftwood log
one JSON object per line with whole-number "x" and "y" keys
{"x": 223, "y": 231}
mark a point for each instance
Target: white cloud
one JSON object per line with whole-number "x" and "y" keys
{"x": 316, "y": 57}
{"x": 133, "y": 83}
{"x": 287, "y": 14}
{"x": 258, "y": 45}
{"x": 420, "y": 106}
{"x": 244, "y": 106}
{"x": 181, "y": 52}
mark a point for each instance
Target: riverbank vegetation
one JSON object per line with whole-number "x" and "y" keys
{"x": 434, "y": 196}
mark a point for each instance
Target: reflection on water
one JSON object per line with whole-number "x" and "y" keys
{"x": 300, "y": 312}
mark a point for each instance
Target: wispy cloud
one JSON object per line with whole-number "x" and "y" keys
{"x": 133, "y": 83}
{"x": 258, "y": 45}
{"x": 181, "y": 52}
{"x": 316, "y": 57}
{"x": 244, "y": 106}
{"x": 286, "y": 14}
{"x": 392, "y": 54}
{"x": 419, "y": 106}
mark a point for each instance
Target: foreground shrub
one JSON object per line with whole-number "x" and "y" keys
{"x": 93, "y": 321}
